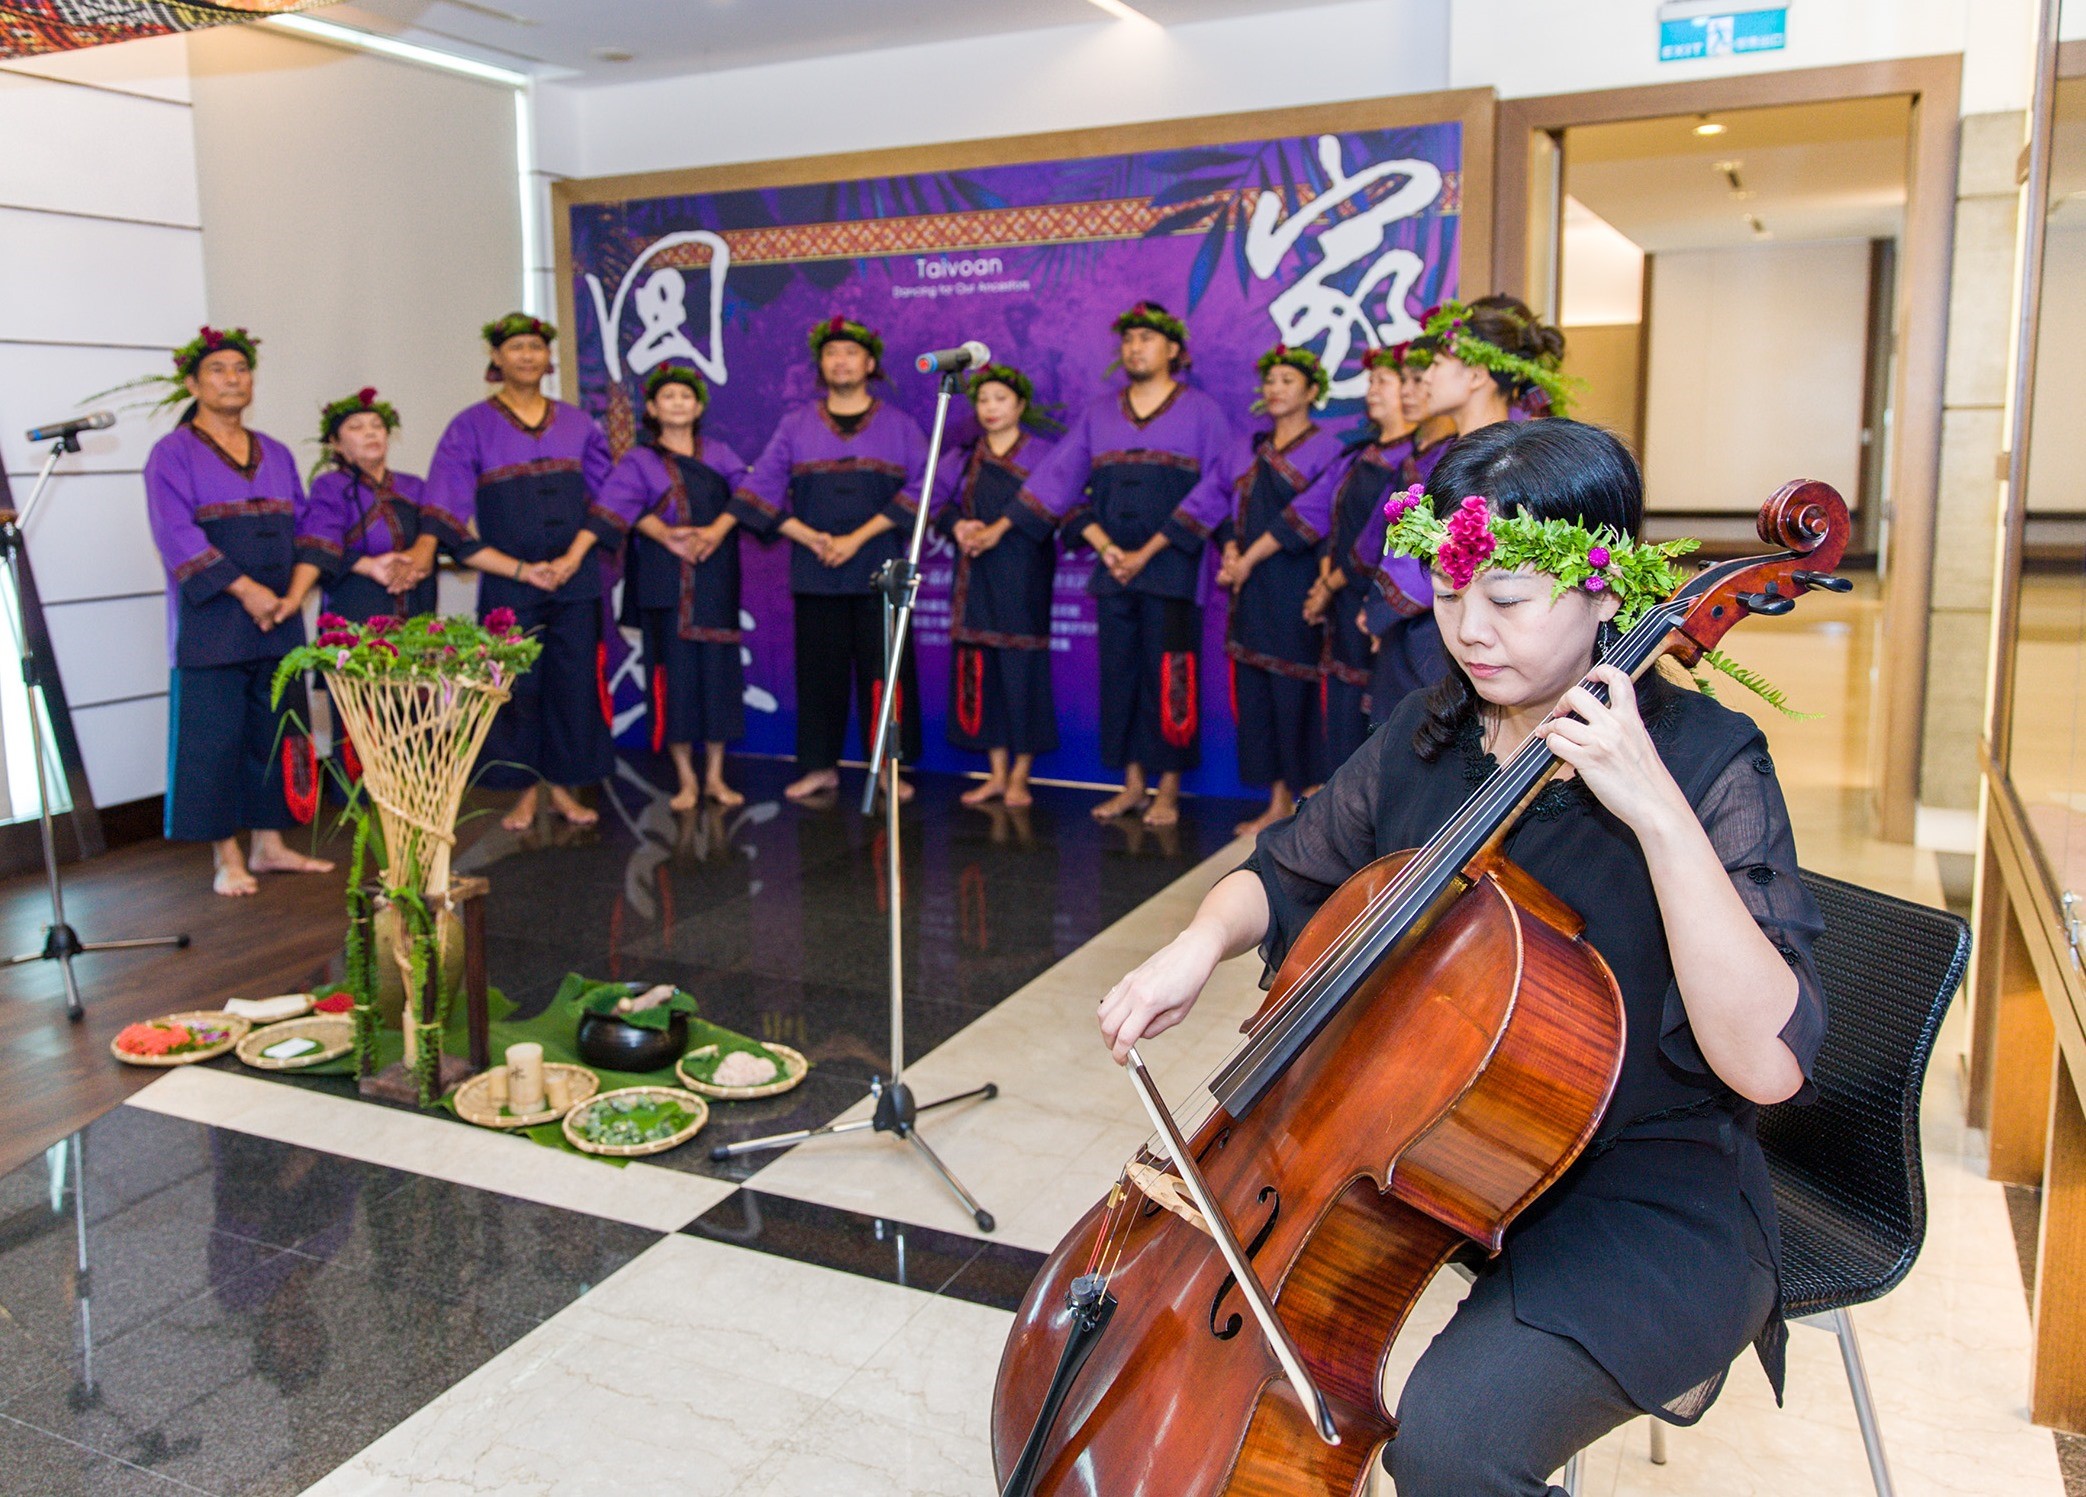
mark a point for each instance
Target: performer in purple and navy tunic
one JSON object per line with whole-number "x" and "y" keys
{"x": 224, "y": 504}
{"x": 999, "y": 626}
{"x": 1271, "y": 542}
{"x": 365, "y": 539}
{"x": 681, "y": 581}
{"x": 519, "y": 476}
{"x": 1121, "y": 479}
{"x": 840, "y": 478}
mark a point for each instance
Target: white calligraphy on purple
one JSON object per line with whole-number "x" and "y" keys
{"x": 662, "y": 311}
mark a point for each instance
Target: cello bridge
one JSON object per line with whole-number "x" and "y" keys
{"x": 1164, "y": 1189}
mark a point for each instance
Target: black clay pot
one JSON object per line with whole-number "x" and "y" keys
{"x": 609, "y": 1043}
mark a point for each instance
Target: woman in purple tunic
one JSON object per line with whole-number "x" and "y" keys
{"x": 1122, "y": 479}
{"x": 1271, "y": 540}
{"x": 225, "y": 503}
{"x": 840, "y": 478}
{"x": 364, "y": 537}
{"x": 519, "y": 476}
{"x": 681, "y": 581}
{"x": 999, "y": 611}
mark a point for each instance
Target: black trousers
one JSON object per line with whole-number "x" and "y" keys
{"x": 552, "y": 728}
{"x": 1150, "y": 712}
{"x": 1494, "y": 1406}
{"x": 840, "y": 650}
{"x": 224, "y": 752}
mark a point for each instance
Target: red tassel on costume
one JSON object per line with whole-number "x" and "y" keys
{"x": 1234, "y": 689}
{"x": 1177, "y": 702}
{"x": 350, "y": 760}
{"x": 300, "y": 778}
{"x": 970, "y": 691}
{"x": 658, "y": 707}
{"x": 608, "y": 703}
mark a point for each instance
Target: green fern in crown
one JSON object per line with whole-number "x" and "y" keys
{"x": 1752, "y": 681}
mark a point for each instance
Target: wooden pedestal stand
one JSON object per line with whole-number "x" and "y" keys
{"x": 465, "y": 901}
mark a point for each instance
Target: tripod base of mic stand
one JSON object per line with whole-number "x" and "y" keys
{"x": 896, "y": 1112}
{"x": 61, "y": 943}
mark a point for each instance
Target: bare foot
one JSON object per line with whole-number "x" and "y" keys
{"x": 286, "y": 860}
{"x": 567, "y": 805}
{"x": 723, "y": 795}
{"x": 805, "y": 787}
{"x": 987, "y": 790}
{"x": 905, "y": 790}
{"x": 1122, "y": 803}
{"x": 1018, "y": 794}
{"x": 522, "y": 815}
{"x": 1259, "y": 823}
{"x": 1165, "y": 810}
{"x": 233, "y": 880}
{"x": 685, "y": 798}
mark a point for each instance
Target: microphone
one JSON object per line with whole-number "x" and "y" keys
{"x": 58, "y": 431}
{"x": 971, "y": 355}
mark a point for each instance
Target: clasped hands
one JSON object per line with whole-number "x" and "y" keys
{"x": 695, "y": 544}
{"x": 1234, "y": 568}
{"x": 831, "y": 550}
{"x": 1123, "y": 565}
{"x": 976, "y": 537}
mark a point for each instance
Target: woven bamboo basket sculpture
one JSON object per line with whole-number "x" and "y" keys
{"x": 418, "y": 738}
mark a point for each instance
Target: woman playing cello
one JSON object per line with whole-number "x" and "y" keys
{"x": 1631, "y": 1284}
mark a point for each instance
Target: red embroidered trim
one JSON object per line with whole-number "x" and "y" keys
{"x": 318, "y": 543}
{"x": 1140, "y": 422}
{"x": 760, "y": 505}
{"x": 550, "y": 414}
{"x": 970, "y": 692}
{"x": 1145, "y": 456}
{"x": 243, "y": 509}
{"x": 608, "y": 703}
{"x": 1232, "y": 671}
{"x": 300, "y": 777}
{"x": 201, "y": 562}
{"x": 536, "y": 468}
{"x": 849, "y": 465}
{"x": 350, "y": 760}
{"x": 247, "y": 469}
{"x": 658, "y": 707}
{"x": 1177, "y": 704}
{"x": 615, "y": 521}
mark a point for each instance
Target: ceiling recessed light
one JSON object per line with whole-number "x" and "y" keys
{"x": 1122, "y": 11}
{"x": 612, "y": 54}
{"x": 1708, "y": 126}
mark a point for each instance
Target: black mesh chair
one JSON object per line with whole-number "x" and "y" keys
{"x": 1849, "y": 1186}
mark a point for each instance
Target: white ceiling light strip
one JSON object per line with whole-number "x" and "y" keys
{"x": 1123, "y": 12}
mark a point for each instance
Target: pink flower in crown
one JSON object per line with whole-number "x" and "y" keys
{"x": 1470, "y": 541}
{"x": 1596, "y": 583}
{"x": 501, "y": 621}
{"x": 1597, "y": 556}
{"x": 1411, "y": 498}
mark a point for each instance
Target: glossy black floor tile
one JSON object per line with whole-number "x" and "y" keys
{"x": 893, "y": 1252}
{"x": 35, "y": 1464}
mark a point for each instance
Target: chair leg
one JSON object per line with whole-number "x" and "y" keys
{"x": 1864, "y": 1404}
{"x": 1658, "y": 1442}
{"x": 1571, "y": 1473}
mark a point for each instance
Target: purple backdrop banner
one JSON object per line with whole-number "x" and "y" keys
{"x": 1331, "y": 242}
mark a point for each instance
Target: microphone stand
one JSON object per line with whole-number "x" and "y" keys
{"x": 60, "y": 942}
{"x": 896, "y": 1110}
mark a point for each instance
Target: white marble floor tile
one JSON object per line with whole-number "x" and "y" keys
{"x": 936, "y": 1372}
{"x": 844, "y": 1452}
{"x": 641, "y": 1194}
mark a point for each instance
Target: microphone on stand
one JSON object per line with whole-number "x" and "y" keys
{"x": 58, "y": 431}
{"x": 971, "y": 355}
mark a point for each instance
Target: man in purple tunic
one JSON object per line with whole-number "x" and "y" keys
{"x": 840, "y": 478}
{"x": 224, "y": 505}
{"x": 1118, "y": 479}
{"x": 518, "y": 475}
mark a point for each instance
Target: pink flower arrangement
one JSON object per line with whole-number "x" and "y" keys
{"x": 1597, "y": 556}
{"x": 1470, "y": 541}
{"x": 333, "y": 621}
{"x": 501, "y": 621}
{"x": 381, "y": 625}
{"x": 334, "y": 639}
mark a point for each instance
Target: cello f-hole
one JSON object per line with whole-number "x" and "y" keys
{"x": 1232, "y": 1326}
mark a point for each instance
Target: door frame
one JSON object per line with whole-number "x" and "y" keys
{"x": 1920, "y": 320}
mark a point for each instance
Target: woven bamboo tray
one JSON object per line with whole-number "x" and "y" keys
{"x": 474, "y": 1103}
{"x": 334, "y": 1032}
{"x": 215, "y": 1018}
{"x": 794, "y": 1067}
{"x": 689, "y": 1100}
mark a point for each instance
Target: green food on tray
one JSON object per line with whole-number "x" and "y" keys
{"x": 616, "y": 999}
{"x": 626, "y": 1121}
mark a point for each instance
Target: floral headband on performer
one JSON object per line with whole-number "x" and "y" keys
{"x": 1033, "y": 416}
{"x": 364, "y": 399}
{"x": 517, "y": 325}
{"x": 1411, "y": 354}
{"x": 1639, "y": 573}
{"x": 1304, "y": 362}
{"x": 1447, "y": 329}
{"x": 1155, "y": 317}
{"x": 851, "y": 331}
{"x": 677, "y": 374}
{"x": 187, "y": 359}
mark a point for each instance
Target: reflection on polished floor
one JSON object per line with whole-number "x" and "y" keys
{"x": 235, "y": 1285}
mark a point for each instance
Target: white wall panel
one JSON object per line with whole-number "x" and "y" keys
{"x": 82, "y": 280}
{"x": 155, "y": 66}
{"x": 42, "y": 382}
{"x": 88, "y": 538}
{"x": 86, "y": 637}
{"x": 124, "y": 747}
{"x": 59, "y": 152}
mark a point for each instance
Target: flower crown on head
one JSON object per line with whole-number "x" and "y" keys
{"x": 1304, "y": 362}
{"x": 209, "y": 340}
{"x": 677, "y": 374}
{"x": 1033, "y": 416}
{"x": 1148, "y": 315}
{"x": 852, "y": 331}
{"x": 516, "y": 325}
{"x": 364, "y": 399}
{"x": 1446, "y": 329}
{"x": 1639, "y": 573}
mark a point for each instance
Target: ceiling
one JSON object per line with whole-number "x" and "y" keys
{"x": 664, "y": 38}
{"x": 1811, "y": 171}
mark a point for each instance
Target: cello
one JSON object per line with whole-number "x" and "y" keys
{"x": 1436, "y": 1050}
